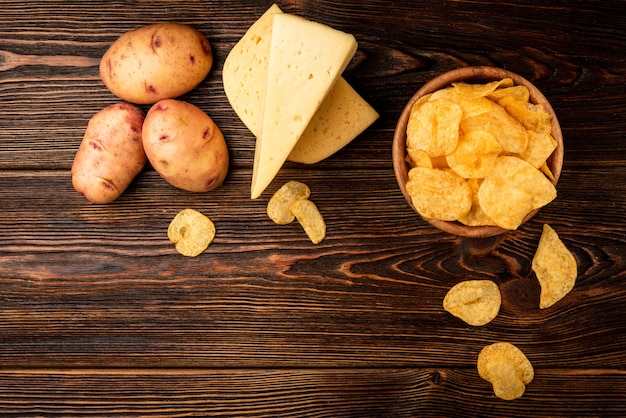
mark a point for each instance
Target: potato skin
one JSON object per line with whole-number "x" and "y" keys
{"x": 185, "y": 146}
{"x": 156, "y": 62}
{"x": 111, "y": 153}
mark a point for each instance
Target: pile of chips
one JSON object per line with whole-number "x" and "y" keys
{"x": 477, "y": 302}
{"x": 291, "y": 202}
{"x": 478, "y": 154}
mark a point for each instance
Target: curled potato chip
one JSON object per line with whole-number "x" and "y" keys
{"x": 419, "y": 158}
{"x": 476, "y": 216}
{"x": 477, "y": 302}
{"x": 475, "y": 154}
{"x": 513, "y": 189}
{"x": 434, "y": 127}
{"x": 439, "y": 194}
{"x": 307, "y": 213}
{"x": 507, "y": 369}
{"x": 509, "y": 132}
{"x": 532, "y": 117}
{"x": 191, "y": 232}
{"x": 555, "y": 268}
{"x": 517, "y": 92}
{"x": 540, "y": 147}
{"x": 279, "y": 205}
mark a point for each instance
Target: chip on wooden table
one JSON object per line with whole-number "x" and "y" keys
{"x": 555, "y": 268}
{"x": 507, "y": 369}
{"x": 476, "y": 302}
{"x": 279, "y": 205}
{"x": 191, "y": 232}
{"x": 312, "y": 221}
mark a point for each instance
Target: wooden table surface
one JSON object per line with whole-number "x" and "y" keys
{"x": 100, "y": 316}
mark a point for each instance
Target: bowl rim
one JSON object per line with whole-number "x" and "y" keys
{"x": 477, "y": 73}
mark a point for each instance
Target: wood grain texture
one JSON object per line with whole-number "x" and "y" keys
{"x": 100, "y": 316}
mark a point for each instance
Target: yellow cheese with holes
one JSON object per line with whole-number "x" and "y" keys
{"x": 306, "y": 59}
{"x": 340, "y": 118}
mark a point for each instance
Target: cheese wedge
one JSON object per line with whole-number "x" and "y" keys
{"x": 343, "y": 116}
{"x": 245, "y": 71}
{"x": 306, "y": 58}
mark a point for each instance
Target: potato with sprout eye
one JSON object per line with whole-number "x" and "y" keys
{"x": 185, "y": 146}
{"x": 111, "y": 153}
{"x": 156, "y": 62}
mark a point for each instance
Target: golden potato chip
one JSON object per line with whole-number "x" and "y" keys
{"x": 517, "y": 92}
{"x": 310, "y": 218}
{"x": 191, "y": 232}
{"x": 532, "y": 117}
{"x": 507, "y": 369}
{"x": 279, "y": 205}
{"x": 475, "y": 154}
{"x": 555, "y": 268}
{"x": 474, "y": 91}
{"x": 512, "y": 189}
{"x": 475, "y": 107}
{"x": 419, "y": 158}
{"x": 476, "y": 216}
{"x": 540, "y": 147}
{"x": 434, "y": 127}
{"x": 509, "y": 132}
{"x": 439, "y": 194}
{"x": 477, "y": 302}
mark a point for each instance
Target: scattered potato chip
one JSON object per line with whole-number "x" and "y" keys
{"x": 513, "y": 189}
{"x": 555, "y": 267}
{"x": 439, "y": 194}
{"x": 475, "y": 154}
{"x": 279, "y": 205}
{"x": 477, "y": 302}
{"x": 507, "y": 369}
{"x": 310, "y": 218}
{"x": 434, "y": 127}
{"x": 191, "y": 232}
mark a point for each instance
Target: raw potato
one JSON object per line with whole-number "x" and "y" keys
{"x": 111, "y": 153}
{"x": 156, "y": 62}
{"x": 185, "y": 146}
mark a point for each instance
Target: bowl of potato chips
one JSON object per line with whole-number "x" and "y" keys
{"x": 477, "y": 151}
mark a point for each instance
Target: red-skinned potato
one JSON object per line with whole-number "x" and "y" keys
{"x": 156, "y": 62}
{"x": 185, "y": 146}
{"x": 111, "y": 153}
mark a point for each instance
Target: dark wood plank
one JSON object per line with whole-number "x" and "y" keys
{"x": 310, "y": 393}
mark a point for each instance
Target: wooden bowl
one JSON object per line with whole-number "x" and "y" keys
{"x": 470, "y": 74}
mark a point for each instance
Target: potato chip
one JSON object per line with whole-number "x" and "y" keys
{"x": 540, "y": 147}
{"x": 476, "y": 216}
{"x": 507, "y": 369}
{"x": 509, "y": 132}
{"x": 434, "y": 127}
{"x": 279, "y": 205}
{"x": 517, "y": 92}
{"x": 474, "y": 91}
{"x": 555, "y": 268}
{"x": 419, "y": 158}
{"x": 512, "y": 189}
{"x": 532, "y": 117}
{"x": 439, "y": 194}
{"x": 476, "y": 302}
{"x": 191, "y": 232}
{"x": 310, "y": 218}
{"x": 475, "y": 154}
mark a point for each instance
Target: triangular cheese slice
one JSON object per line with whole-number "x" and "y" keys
{"x": 343, "y": 116}
{"x": 245, "y": 71}
{"x": 306, "y": 59}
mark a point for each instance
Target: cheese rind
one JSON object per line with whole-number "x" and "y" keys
{"x": 306, "y": 58}
{"x": 343, "y": 116}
